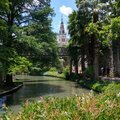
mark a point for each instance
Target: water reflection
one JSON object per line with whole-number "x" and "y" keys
{"x": 34, "y": 87}
{"x": 2, "y": 103}
{"x": 32, "y": 90}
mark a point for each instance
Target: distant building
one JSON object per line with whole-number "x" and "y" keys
{"x": 62, "y": 36}
{"x": 62, "y": 42}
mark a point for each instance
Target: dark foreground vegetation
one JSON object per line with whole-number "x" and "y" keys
{"x": 105, "y": 106}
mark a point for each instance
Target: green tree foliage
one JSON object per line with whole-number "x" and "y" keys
{"x": 115, "y": 28}
{"x": 19, "y": 65}
{"x": 90, "y": 25}
{"x": 25, "y": 28}
{"x": 40, "y": 29}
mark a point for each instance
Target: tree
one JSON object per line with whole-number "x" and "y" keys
{"x": 72, "y": 44}
{"x": 115, "y": 36}
{"x": 10, "y": 16}
{"x": 26, "y": 29}
{"x": 88, "y": 21}
{"x": 39, "y": 28}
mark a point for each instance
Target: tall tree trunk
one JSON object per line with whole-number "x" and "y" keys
{"x": 82, "y": 64}
{"x": 3, "y": 73}
{"x": 1, "y": 79}
{"x": 96, "y": 49}
{"x": 82, "y": 60}
{"x": 9, "y": 80}
{"x": 76, "y": 67}
{"x": 71, "y": 61}
{"x": 111, "y": 61}
{"x": 1, "y": 76}
{"x": 118, "y": 61}
{"x": 90, "y": 52}
{"x": 96, "y": 62}
{"x": 116, "y": 58}
{"x": 7, "y": 77}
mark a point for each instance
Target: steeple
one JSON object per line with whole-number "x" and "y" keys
{"x": 62, "y": 37}
{"x": 62, "y": 20}
{"x": 62, "y": 29}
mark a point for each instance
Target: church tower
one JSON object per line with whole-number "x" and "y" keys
{"x": 62, "y": 39}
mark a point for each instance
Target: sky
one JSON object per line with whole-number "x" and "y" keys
{"x": 62, "y": 8}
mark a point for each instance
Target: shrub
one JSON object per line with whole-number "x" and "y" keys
{"x": 88, "y": 72}
{"x": 66, "y": 72}
{"x": 36, "y": 71}
{"x": 53, "y": 69}
{"x": 97, "y": 87}
{"x": 112, "y": 91}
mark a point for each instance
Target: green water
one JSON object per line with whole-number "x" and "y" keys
{"x": 35, "y": 87}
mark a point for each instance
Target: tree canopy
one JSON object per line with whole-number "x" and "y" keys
{"x": 26, "y": 35}
{"x": 94, "y": 27}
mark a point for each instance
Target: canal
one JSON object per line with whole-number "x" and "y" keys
{"x": 35, "y": 87}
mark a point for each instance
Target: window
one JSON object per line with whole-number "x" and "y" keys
{"x": 63, "y": 40}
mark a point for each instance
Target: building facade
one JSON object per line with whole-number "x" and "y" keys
{"x": 62, "y": 36}
{"x": 62, "y": 43}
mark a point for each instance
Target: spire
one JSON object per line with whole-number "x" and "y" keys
{"x": 62, "y": 30}
{"x": 62, "y": 19}
{"x": 62, "y": 38}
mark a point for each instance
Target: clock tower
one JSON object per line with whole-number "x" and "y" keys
{"x": 62, "y": 39}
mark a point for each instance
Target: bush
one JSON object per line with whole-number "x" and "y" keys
{"x": 88, "y": 72}
{"x": 66, "y": 73}
{"x": 52, "y": 69}
{"x": 97, "y": 87}
{"x": 20, "y": 65}
{"x": 112, "y": 91}
{"x": 35, "y": 71}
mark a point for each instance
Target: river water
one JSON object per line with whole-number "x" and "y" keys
{"x": 35, "y": 87}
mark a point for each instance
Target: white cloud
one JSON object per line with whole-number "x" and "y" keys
{"x": 36, "y": 2}
{"x": 66, "y": 10}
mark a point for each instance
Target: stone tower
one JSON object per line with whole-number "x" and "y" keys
{"x": 62, "y": 38}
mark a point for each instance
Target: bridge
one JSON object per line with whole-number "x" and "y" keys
{"x": 63, "y": 52}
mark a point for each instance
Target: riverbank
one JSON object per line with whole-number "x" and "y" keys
{"x": 98, "y": 85}
{"x": 9, "y": 90}
{"x": 54, "y": 74}
{"x": 103, "y": 106}
{"x": 95, "y": 85}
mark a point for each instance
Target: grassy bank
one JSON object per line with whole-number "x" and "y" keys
{"x": 96, "y": 85}
{"x": 53, "y": 72}
{"x": 105, "y": 106}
